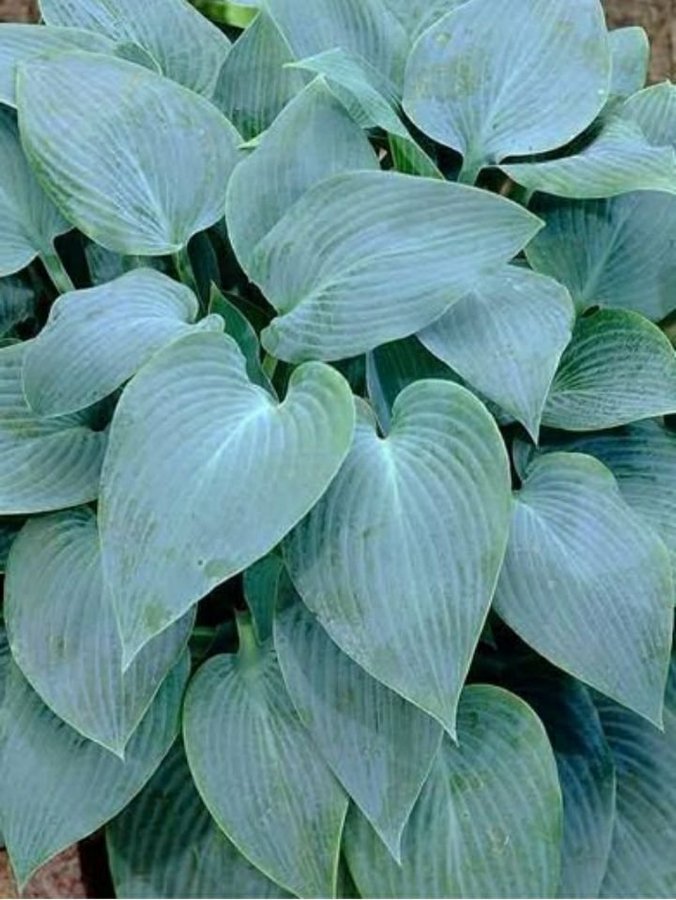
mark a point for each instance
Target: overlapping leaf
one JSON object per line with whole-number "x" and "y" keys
{"x": 630, "y": 51}
{"x": 615, "y": 252}
{"x": 321, "y": 279}
{"x": 63, "y": 633}
{"x": 378, "y": 745}
{"x": 57, "y": 787}
{"x": 480, "y": 82}
{"x": 29, "y": 221}
{"x": 187, "y": 47}
{"x": 580, "y": 562}
{"x": 488, "y": 821}
{"x": 45, "y": 464}
{"x": 17, "y": 303}
{"x": 240, "y": 729}
{"x": 654, "y": 109}
{"x": 399, "y": 559}
{"x": 640, "y": 862}
{"x": 166, "y": 844}
{"x": 596, "y": 385}
{"x": 96, "y": 339}
{"x": 506, "y": 338}
{"x": 121, "y": 150}
{"x": 192, "y": 411}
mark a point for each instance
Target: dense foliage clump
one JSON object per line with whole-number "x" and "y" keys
{"x": 337, "y": 478}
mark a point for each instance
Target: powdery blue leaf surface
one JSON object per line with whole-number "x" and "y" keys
{"x": 57, "y": 787}
{"x": 122, "y": 150}
{"x": 63, "y": 632}
{"x": 616, "y": 160}
{"x": 615, "y": 252}
{"x": 485, "y": 97}
{"x": 586, "y": 774}
{"x": 399, "y": 559}
{"x": 630, "y": 52}
{"x": 240, "y": 728}
{"x": 641, "y": 863}
{"x": 254, "y": 86}
{"x": 20, "y": 42}
{"x": 581, "y": 562}
{"x": 45, "y": 464}
{"x": 267, "y": 184}
{"x": 618, "y": 368}
{"x": 379, "y": 746}
{"x": 242, "y": 331}
{"x": 187, "y": 47}
{"x": 29, "y": 221}
{"x": 262, "y": 585}
{"x": 166, "y": 844}
{"x": 185, "y": 504}
{"x": 506, "y": 338}
{"x": 95, "y": 339}
{"x": 488, "y": 821}
{"x": 417, "y": 15}
{"x": 654, "y": 109}
{"x": 369, "y": 257}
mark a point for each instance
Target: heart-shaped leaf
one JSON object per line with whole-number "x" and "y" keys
{"x": 63, "y": 632}
{"x": 95, "y": 129}
{"x": 187, "y": 47}
{"x": 488, "y": 821}
{"x": 615, "y": 252}
{"x": 580, "y": 561}
{"x": 29, "y": 221}
{"x": 506, "y": 338}
{"x": 320, "y": 279}
{"x": 45, "y": 464}
{"x": 401, "y": 575}
{"x": 57, "y": 787}
{"x": 630, "y": 52}
{"x": 165, "y": 844}
{"x": 95, "y": 339}
{"x": 184, "y": 503}
{"x": 240, "y": 728}
{"x": 19, "y": 43}
{"x": 640, "y": 862}
{"x": 596, "y": 385}
{"x": 616, "y": 160}
{"x": 485, "y": 97}
{"x": 379, "y": 746}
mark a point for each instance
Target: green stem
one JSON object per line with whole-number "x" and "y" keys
{"x": 185, "y": 270}
{"x": 471, "y": 168}
{"x": 269, "y": 365}
{"x": 57, "y": 271}
{"x": 248, "y": 651}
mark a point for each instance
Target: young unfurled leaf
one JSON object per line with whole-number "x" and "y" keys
{"x": 399, "y": 559}
{"x": 45, "y": 464}
{"x": 485, "y": 97}
{"x": 57, "y": 787}
{"x": 96, "y": 130}
{"x": 63, "y": 632}
{"x": 96, "y": 339}
{"x": 580, "y": 561}
{"x": 29, "y": 221}
{"x": 379, "y": 746}
{"x": 244, "y": 469}
{"x": 506, "y": 337}
{"x": 166, "y": 844}
{"x": 615, "y": 252}
{"x": 596, "y": 385}
{"x": 186, "y": 46}
{"x": 488, "y": 821}
{"x": 240, "y": 727}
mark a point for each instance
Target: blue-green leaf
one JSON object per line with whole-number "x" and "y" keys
{"x": 630, "y": 51}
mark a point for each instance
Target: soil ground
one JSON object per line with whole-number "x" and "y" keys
{"x": 63, "y": 876}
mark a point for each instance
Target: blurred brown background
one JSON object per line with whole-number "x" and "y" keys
{"x": 62, "y": 878}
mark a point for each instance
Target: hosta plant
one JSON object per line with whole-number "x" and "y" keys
{"x": 337, "y": 474}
